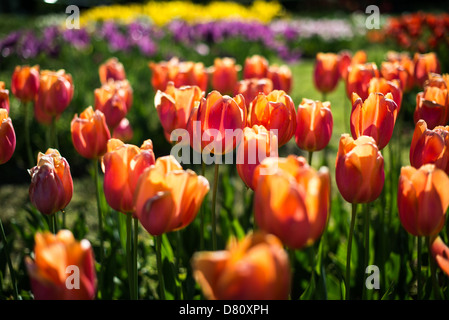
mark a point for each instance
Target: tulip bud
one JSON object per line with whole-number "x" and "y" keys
{"x": 7, "y": 137}
{"x": 111, "y": 69}
{"x": 256, "y": 268}
{"x": 359, "y": 77}
{"x": 63, "y": 268}
{"x": 402, "y": 62}
{"x": 224, "y": 75}
{"x": 359, "y": 169}
{"x": 425, "y": 64}
{"x": 255, "y": 66}
{"x": 326, "y": 72}
{"x": 4, "y": 97}
{"x": 423, "y": 199}
{"x": 25, "y": 83}
{"x": 123, "y": 131}
{"x": 281, "y": 76}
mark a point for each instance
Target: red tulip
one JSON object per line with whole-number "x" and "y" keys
{"x": 7, "y": 137}
{"x": 224, "y": 75}
{"x": 4, "y": 97}
{"x": 255, "y": 66}
{"x": 384, "y": 86}
{"x": 359, "y": 77}
{"x": 25, "y": 82}
{"x": 404, "y": 62}
{"x": 111, "y": 69}
{"x": 326, "y": 72}
{"x": 250, "y": 88}
{"x": 425, "y": 64}
{"x": 281, "y": 76}
{"x": 123, "y": 131}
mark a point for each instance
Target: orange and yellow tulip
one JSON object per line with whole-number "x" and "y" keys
{"x": 256, "y": 268}
{"x": 7, "y": 137}
{"x": 224, "y": 75}
{"x": 345, "y": 59}
{"x": 25, "y": 83}
{"x": 423, "y": 199}
{"x": 326, "y": 72}
{"x": 424, "y": 64}
{"x": 250, "y": 88}
{"x": 168, "y": 198}
{"x": 111, "y": 69}
{"x": 4, "y": 97}
{"x": 255, "y": 66}
{"x": 359, "y": 169}
{"x": 281, "y": 76}
{"x": 314, "y": 124}
{"x": 384, "y": 86}
{"x": 359, "y": 77}
{"x": 63, "y": 268}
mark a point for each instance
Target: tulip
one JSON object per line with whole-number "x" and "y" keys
{"x": 440, "y": 252}
{"x": 359, "y": 169}
{"x": 123, "y": 131}
{"x": 281, "y": 76}
{"x": 7, "y": 137}
{"x": 314, "y": 124}
{"x": 395, "y": 71}
{"x": 4, "y": 97}
{"x": 167, "y": 198}
{"x": 54, "y": 95}
{"x": 25, "y": 83}
{"x": 63, "y": 268}
{"x": 404, "y": 63}
{"x": 384, "y": 86}
{"x": 423, "y": 199}
{"x": 174, "y": 106}
{"x": 123, "y": 165}
{"x": 224, "y": 75}
{"x": 359, "y": 77}
{"x": 345, "y": 60}
{"x": 90, "y": 133}
{"x": 114, "y": 99}
{"x": 326, "y": 72}
{"x": 111, "y": 69}
{"x": 425, "y": 64}
{"x": 250, "y": 88}
{"x": 256, "y": 268}
{"x": 375, "y": 117}
{"x": 257, "y": 144}
{"x": 430, "y": 146}
{"x": 255, "y": 66}
{"x": 275, "y": 111}
{"x": 51, "y": 187}
{"x": 293, "y": 201}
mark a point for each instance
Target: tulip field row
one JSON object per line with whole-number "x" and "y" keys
{"x": 346, "y": 199}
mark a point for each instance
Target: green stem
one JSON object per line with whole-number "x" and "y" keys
{"x": 214, "y": 200}
{"x": 349, "y": 248}
{"x": 8, "y": 259}
{"x": 310, "y": 157}
{"x": 136, "y": 238}
{"x": 178, "y": 263}
{"x": 203, "y": 169}
{"x": 53, "y": 135}
{"x": 159, "y": 267}
{"x": 99, "y": 212}
{"x": 418, "y": 273}
{"x": 367, "y": 222}
{"x": 25, "y": 106}
{"x": 129, "y": 255}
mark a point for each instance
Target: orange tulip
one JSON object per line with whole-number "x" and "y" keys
{"x": 167, "y": 198}
{"x": 359, "y": 169}
{"x": 174, "y": 106}
{"x": 255, "y": 66}
{"x": 425, "y": 64}
{"x": 256, "y": 268}
{"x": 54, "y": 95}
{"x": 359, "y": 77}
{"x": 4, "y": 97}
{"x": 395, "y": 71}
{"x": 257, "y": 144}
{"x": 63, "y": 268}
{"x": 111, "y": 69}
{"x": 293, "y": 201}
{"x": 90, "y": 133}
{"x": 51, "y": 187}
{"x": 440, "y": 252}
{"x": 224, "y": 75}
{"x": 314, "y": 124}
{"x": 430, "y": 146}
{"x": 123, "y": 131}
{"x": 114, "y": 99}
{"x": 281, "y": 76}
{"x": 423, "y": 199}
{"x": 123, "y": 165}
{"x": 275, "y": 111}
{"x": 250, "y": 88}
{"x": 402, "y": 62}
{"x": 326, "y": 72}
{"x": 345, "y": 60}
{"x": 217, "y": 124}
{"x": 375, "y": 117}
{"x": 7, "y": 137}
{"x": 25, "y": 82}
{"x": 384, "y": 86}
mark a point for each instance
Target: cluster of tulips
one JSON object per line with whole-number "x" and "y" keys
{"x": 291, "y": 197}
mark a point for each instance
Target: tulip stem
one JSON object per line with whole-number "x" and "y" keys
{"x": 203, "y": 169}
{"x": 349, "y": 248}
{"x": 159, "y": 267}
{"x": 136, "y": 238}
{"x": 310, "y": 157}
{"x": 100, "y": 214}
{"x": 130, "y": 256}
{"x": 8, "y": 259}
{"x": 418, "y": 273}
{"x": 214, "y": 200}
{"x": 367, "y": 222}
{"x": 53, "y": 135}
{"x": 27, "y": 134}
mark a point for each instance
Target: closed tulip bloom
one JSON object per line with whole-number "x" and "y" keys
{"x": 258, "y": 143}
{"x": 217, "y": 124}
{"x": 275, "y": 111}
{"x": 432, "y": 104}
{"x": 174, "y": 106}
{"x": 293, "y": 201}
{"x": 7, "y": 137}
{"x": 255, "y": 66}
{"x": 423, "y": 199}
{"x": 430, "y": 146}
{"x": 407, "y": 64}
{"x": 425, "y": 64}
{"x": 281, "y": 76}
{"x": 54, "y": 95}
{"x": 168, "y": 198}
{"x": 384, "y": 86}
{"x": 440, "y": 252}
{"x": 63, "y": 268}
{"x": 250, "y": 88}
{"x": 123, "y": 165}
{"x": 345, "y": 59}
{"x": 374, "y": 117}
{"x": 326, "y": 72}
{"x": 161, "y": 73}
{"x": 111, "y": 69}
{"x": 51, "y": 187}
{"x": 114, "y": 99}
{"x": 25, "y": 82}
{"x": 256, "y": 268}
{"x": 359, "y": 77}
{"x": 224, "y": 75}
{"x": 314, "y": 124}
{"x": 359, "y": 169}
{"x": 90, "y": 133}
{"x": 395, "y": 71}
{"x": 123, "y": 131}
{"x": 4, "y": 97}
